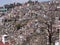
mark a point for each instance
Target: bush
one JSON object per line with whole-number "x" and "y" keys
{"x": 18, "y": 26}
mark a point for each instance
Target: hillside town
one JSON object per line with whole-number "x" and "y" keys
{"x": 30, "y": 23}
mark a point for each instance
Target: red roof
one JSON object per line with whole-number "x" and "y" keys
{"x": 4, "y": 44}
{"x": 1, "y": 43}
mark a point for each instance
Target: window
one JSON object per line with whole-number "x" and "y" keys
{"x": 6, "y": 38}
{"x": 57, "y": 30}
{"x": 59, "y": 18}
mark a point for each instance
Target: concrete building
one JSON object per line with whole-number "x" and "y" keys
{"x": 4, "y": 41}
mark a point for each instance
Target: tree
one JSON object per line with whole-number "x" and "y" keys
{"x": 50, "y": 22}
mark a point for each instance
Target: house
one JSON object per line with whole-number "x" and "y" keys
{"x": 4, "y": 41}
{"x": 2, "y": 9}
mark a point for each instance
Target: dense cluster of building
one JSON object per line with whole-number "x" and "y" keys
{"x": 24, "y": 23}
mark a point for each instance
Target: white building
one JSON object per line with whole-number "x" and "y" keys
{"x": 56, "y": 43}
{"x": 3, "y": 38}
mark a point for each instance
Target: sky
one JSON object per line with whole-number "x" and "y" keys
{"x": 3, "y": 2}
